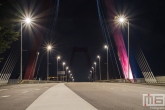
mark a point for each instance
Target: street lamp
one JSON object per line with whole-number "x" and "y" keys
{"x": 124, "y": 20}
{"x": 106, "y": 47}
{"x": 69, "y": 75}
{"x": 58, "y": 57}
{"x": 63, "y": 69}
{"x": 27, "y": 21}
{"x": 95, "y": 70}
{"x": 93, "y": 73}
{"x": 48, "y": 49}
{"x": 63, "y": 65}
{"x": 99, "y": 66}
{"x": 66, "y": 74}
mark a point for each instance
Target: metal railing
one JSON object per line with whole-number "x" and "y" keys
{"x": 10, "y": 81}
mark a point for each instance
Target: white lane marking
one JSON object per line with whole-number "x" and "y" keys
{"x": 25, "y": 97}
{"x": 25, "y": 92}
{"x": 61, "y": 90}
{"x": 6, "y": 96}
{"x": 139, "y": 87}
{"x": 3, "y": 89}
{"x": 37, "y": 89}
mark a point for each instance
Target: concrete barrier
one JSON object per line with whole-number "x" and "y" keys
{"x": 37, "y": 81}
{"x": 10, "y": 81}
{"x": 3, "y": 82}
{"x": 160, "y": 79}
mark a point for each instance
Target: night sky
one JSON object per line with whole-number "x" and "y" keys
{"x": 77, "y": 25}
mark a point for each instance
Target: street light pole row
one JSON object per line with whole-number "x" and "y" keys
{"x": 94, "y": 70}
{"x": 120, "y": 20}
{"x": 49, "y": 47}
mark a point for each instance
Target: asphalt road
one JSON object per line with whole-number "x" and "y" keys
{"x": 19, "y": 97}
{"x": 115, "y": 96}
{"x": 102, "y": 96}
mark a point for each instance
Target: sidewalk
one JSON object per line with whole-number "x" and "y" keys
{"x": 153, "y": 84}
{"x": 60, "y": 97}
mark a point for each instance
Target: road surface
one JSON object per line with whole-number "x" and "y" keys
{"x": 115, "y": 96}
{"x": 76, "y": 96}
{"x": 19, "y": 97}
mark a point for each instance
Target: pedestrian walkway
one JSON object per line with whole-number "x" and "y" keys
{"x": 60, "y": 97}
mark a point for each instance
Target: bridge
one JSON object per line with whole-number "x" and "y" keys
{"x": 65, "y": 59}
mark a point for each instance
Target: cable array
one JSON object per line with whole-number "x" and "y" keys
{"x": 106, "y": 33}
{"x": 142, "y": 62}
{"x": 144, "y": 66}
{"x": 9, "y": 64}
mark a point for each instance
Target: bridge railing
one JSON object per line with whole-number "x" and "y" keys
{"x": 10, "y": 81}
{"x": 38, "y": 81}
{"x": 160, "y": 79}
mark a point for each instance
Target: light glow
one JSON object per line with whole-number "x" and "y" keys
{"x": 49, "y": 47}
{"x": 28, "y": 20}
{"x": 105, "y": 46}
{"x": 58, "y": 57}
{"x": 121, "y": 20}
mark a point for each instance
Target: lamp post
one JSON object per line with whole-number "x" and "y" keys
{"x": 106, "y": 47}
{"x": 48, "y": 49}
{"x": 28, "y": 21}
{"x": 66, "y": 74}
{"x": 90, "y": 75}
{"x": 69, "y": 75}
{"x": 124, "y": 20}
{"x": 95, "y": 70}
{"x": 63, "y": 69}
{"x": 93, "y": 73}
{"x": 58, "y": 57}
{"x": 99, "y": 66}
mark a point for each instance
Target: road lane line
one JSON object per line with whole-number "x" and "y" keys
{"x": 25, "y": 92}
{"x": 3, "y": 89}
{"x": 6, "y": 96}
